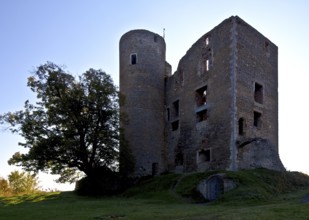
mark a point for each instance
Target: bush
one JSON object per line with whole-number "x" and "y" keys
{"x": 4, "y": 187}
{"x": 103, "y": 183}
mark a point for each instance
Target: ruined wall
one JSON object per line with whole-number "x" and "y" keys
{"x": 259, "y": 152}
{"x": 238, "y": 68}
{"x": 202, "y": 138}
{"x": 257, "y": 94}
{"x": 142, "y": 71}
{"x": 219, "y": 110}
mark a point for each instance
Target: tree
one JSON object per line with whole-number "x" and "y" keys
{"x": 4, "y": 187}
{"x": 22, "y": 182}
{"x": 73, "y": 126}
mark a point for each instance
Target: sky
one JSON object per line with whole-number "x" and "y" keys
{"x": 80, "y": 34}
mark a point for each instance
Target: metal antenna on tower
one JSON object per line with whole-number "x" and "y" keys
{"x": 164, "y": 33}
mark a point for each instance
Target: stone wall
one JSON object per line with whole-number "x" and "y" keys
{"x": 258, "y": 153}
{"x": 256, "y": 91}
{"x": 142, "y": 71}
{"x": 203, "y": 116}
{"x": 203, "y": 142}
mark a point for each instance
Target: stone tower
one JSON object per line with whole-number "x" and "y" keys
{"x": 219, "y": 109}
{"x": 142, "y": 73}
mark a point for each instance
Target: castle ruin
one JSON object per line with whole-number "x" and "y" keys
{"x": 217, "y": 111}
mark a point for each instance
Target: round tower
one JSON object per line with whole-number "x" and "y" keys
{"x": 142, "y": 71}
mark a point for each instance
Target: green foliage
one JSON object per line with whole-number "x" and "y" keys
{"x": 126, "y": 158}
{"x": 23, "y": 183}
{"x": 74, "y": 125}
{"x": 104, "y": 183}
{"x": 4, "y": 187}
{"x": 19, "y": 183}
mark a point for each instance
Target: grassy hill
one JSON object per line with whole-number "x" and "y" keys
{"x": 257, "y": 185}
{"x": 260, "y": 194}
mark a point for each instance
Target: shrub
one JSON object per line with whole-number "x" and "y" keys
{"x": 4, "y": 187}
{"x": 103, "y": 183}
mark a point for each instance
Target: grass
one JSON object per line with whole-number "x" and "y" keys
{"x": 260, "y": 194}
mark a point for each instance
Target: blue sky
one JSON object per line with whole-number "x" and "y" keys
{"x": 82, "y": 34}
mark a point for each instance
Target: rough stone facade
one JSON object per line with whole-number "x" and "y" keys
{"x": 217, "y": 111}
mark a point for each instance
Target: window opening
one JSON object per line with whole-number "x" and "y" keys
{"x": 168, "y": 114}
{"x": 203, "y": 156}
{"x": 207, "y": 41}
{"x": 155, "y": 169}
{"x": 207, "y": 65}
{"x": 175, "y": 125}
{"x": 241, "y": 123}
{"x": 155, "y": 38}
{"x": 176, "y": 108}
{"x": 179, "y": 159}
{"x": 201, "y": 115}
{"x": 200, "y": 96}
{"x": 133, "y": 59}
{"x": 257, "y": 119}
{"x": 258, "y": 93}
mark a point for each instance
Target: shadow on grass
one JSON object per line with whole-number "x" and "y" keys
{"x": 36, "y": 197}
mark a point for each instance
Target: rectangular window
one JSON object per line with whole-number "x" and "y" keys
{"x": 155, "y": 169}
{"x": 207, "y": 65}
{"x": 200, "y": 96}
{"x": 179, "y": 159}
{"x": 201, "y": 115}
{"x": 241, "y": 125}
{"x": 207, "y": 41}
{"x": 175, "y": 125}
{"x": 155, "y": 38}
{"x": 203, "y": 156}
{"x": 133, "y": 59}
{"x": 176, "y": 108}
{"x": 258, "y": 93}
{"x": 168, "y": 114}
{"x": 257, "y": 122}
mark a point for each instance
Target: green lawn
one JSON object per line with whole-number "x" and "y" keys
{"x": 67, "y": 205}
{"x": 259, "y": 194}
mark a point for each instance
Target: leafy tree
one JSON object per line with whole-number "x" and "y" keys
{"x": 126, "y": 158}
{"x": 22, "y": 182}
{"x": 4, "y": 187}
{"x": 73, "y": 126}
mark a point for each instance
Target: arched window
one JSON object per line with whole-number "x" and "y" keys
{"x": 241, "y": 125}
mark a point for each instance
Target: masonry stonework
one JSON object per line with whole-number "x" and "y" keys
{"x": 217, "y": 111}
